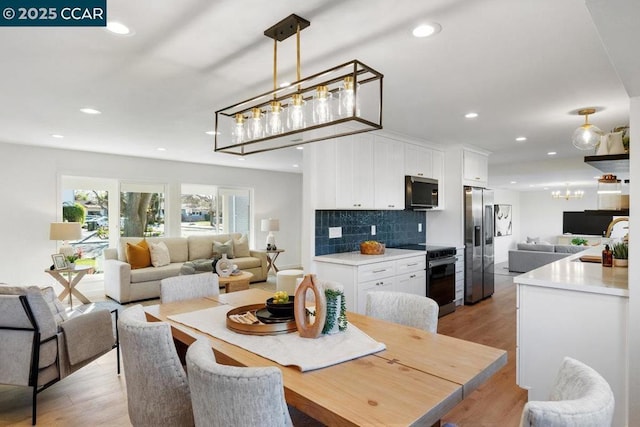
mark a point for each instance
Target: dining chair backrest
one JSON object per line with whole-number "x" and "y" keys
{"x": 189, "y": 286}
{"x": 406, "y": 309}
{"x": 233, "y": 396}
{"x": 157, "y": 385}
{"x": 580, "y": 397}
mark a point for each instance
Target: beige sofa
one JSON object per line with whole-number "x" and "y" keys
{"x": 125, "y": 285}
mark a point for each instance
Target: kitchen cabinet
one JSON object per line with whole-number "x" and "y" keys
{"x": 354, "y": 166}
{"x": 388, "y": 176}
{"x": 459, "y": 276}
{"x": 418, "y": 161}
{"x": 397, "y": 270}
{"x": 475, "y": 168}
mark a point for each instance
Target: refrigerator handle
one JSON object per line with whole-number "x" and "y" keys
{"x": 477, "y": 238}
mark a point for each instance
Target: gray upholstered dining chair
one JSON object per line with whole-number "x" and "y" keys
{"x": 406, "y": 309}
{"x": 233, "y": 396}
{"x": 40, "y": 343}
{"x": 580, "y": 397}
{"x": 189, "y": 286}
{"x": 157, "y": 386}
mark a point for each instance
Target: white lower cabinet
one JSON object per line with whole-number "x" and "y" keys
{"x": 406, "y": 274}
{"x": 460, "y": 276}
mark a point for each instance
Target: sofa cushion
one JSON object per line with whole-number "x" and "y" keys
{"x": 159, "y": 254}
{"x": 138, "y": 254}
{"x": 178, "y": 250}
{"x": 247, "y": 262}
{"x": 151, "y": 274}
{"x": 533, "y": 239}
{"x": 535, "y": 247}
{"x": 570, "y": 249}
{"x": 241, "y": 247}
{"x": 223, "y": 248}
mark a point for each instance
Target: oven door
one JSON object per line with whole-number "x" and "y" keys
{"x": 441, "y": 283}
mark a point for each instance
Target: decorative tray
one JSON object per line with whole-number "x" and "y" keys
{"x": 239, "y": 315}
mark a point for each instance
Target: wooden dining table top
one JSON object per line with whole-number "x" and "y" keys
{"x": 416, "y": 380}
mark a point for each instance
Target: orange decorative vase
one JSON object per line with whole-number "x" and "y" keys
{"x": 306, "y": 329}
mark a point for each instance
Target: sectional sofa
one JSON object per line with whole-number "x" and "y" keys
{"x": 529, "y": 256}
{"x": 124, "y": 284}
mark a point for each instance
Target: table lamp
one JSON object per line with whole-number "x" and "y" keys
{"x": 65, "y": 231}
{"x": 270, "y": 225}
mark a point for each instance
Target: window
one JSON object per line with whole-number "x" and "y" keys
{"x": 142, "y": 210}
{"x": 208, "y": 208}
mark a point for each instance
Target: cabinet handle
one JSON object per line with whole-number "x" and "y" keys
{"x": 412, "y": 276}
{"x": 391, "y": 206}
{"x": 420, "y": 174}
{"x": 411, "y": 265}
{"x": 379, "y": 271}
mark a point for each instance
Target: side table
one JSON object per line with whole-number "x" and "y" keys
{"x": 272, "y": 255}
{"x": 74, "y": 275}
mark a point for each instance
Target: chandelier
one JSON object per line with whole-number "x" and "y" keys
{"x": 343, "y": 100}
{"x": 568, "y": 194}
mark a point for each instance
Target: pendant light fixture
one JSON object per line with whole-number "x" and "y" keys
{"x": 340, "y": 101}
{"x": 568, "y": 194}
{"x": 587, "y": 136}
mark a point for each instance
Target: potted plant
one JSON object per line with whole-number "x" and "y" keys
{"x": 71, "y": 259}
{"x": 620, "y": 254}
{"x": 579, "y": 241}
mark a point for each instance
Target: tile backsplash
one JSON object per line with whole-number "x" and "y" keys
{"x": 393, "y": 228}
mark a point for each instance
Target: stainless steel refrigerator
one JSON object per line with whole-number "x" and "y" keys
{"x": 478, "y": 239}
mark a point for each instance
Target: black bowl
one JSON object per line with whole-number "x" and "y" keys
{"x": 283, "y": 309}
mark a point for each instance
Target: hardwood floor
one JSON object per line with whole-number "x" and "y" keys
{"x": 96, "y": 395}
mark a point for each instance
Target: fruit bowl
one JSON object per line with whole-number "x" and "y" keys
{"x": 280, "y": 309}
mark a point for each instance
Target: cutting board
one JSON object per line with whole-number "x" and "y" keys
{"x": 591, "y": 258}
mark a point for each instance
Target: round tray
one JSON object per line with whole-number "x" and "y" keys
{"x": 259, "y": 328}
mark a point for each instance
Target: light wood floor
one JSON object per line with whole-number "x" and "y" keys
{"x": 96, "y": 396}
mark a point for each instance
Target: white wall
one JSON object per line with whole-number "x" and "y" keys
{"x": 634, "y": 271}
{"x": 30, "y": 197}
{"x": 541, "y": 215}
{"x": 502, "y": 244}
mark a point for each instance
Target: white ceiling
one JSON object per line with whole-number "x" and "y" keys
{"x": 524, "y": 66}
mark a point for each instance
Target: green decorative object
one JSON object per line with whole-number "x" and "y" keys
{"x": 336, "y": 311}
{"x": 579, "y": 241}
{"x": 620, "y": 250}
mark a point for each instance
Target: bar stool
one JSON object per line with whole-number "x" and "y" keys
{"x": 286, "y": 280}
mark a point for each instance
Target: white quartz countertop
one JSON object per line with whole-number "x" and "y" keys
{"x": 356, "y": 258}
{"x": 572, "y": 274}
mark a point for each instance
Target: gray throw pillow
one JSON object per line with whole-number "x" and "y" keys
{"x": 223, "y": 248}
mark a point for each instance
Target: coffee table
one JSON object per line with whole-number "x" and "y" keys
{"x": 239, "y": 282}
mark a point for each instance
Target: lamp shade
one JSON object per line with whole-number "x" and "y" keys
{"x": 65, "y": 231}
{"x": 270, "y": 225}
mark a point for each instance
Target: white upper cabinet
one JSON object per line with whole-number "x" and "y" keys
{"x": 418, "y": 161}
{"x": 475, "y": 168}
{"x": 354, "y": 172}
{"x": 388, "y": 173}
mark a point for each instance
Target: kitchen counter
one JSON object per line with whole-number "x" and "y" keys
{"x": 572, "y": 274}
{"x": 356, "y": 258}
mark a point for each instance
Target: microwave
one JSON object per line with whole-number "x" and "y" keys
{"x": 420, "y": 193}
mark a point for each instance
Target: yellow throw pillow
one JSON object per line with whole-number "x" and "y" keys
{"x": 138, "y": 255}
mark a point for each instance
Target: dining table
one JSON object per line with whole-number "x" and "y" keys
{"x": 415, "y": 380}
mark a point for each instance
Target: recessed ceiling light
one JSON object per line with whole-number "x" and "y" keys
{"x": 118, "y": 28}
{"x": 241, "y": 159}
{"x": 296, "y": 166}
{"x": 514, "y": 182}
{"x": 90, "y": 111}
{"x": 285, "y": 84}
{"x": 58, "y": 136}
{"x": 212, "y": 132}
{"x": 426, "y": 30}
{"x": 521, "y": 138}
{"x": 299, "y": 148}
{"x": 471, "y": 115}
{"x": 551, "y": 153}
{"x": 162, "y": 149}
{"x": 596, "y": 177}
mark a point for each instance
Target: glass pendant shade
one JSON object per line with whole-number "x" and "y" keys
{"x": 274, "y": 119}
{"x": 349, "y": 105}
{"x": 255, "y": 129}
{"x": 238, "y": 131}
{"x": 322, "y": 105}
{"x": 296, "y": 113}
{"x": 586, "y": 137}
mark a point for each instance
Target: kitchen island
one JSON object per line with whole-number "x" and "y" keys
{"x": 396, "y": 270}
{"x": 577, "y": 309}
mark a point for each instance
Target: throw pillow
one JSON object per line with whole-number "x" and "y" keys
{"x": 241, "y": 247}
{"x": 533, "y": 239}
{"x": 223, "y": 248}
{"x": 138, "y": 255}
{"x": 159, "y": 254}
